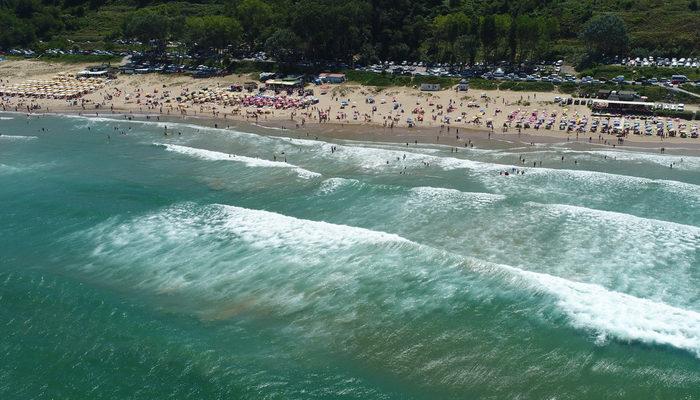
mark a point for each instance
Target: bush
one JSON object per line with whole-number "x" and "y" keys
{"x": 691, "y": 88}
{"x": 687, "y": 115}
{"x": 81, "y": 58}
{"x": 568, "y": 88}
{"x": 483, "y": 84}
{"x": 384, "y": 79}
{"x": 527, "y": 86}
{"x": 630, "y": 73}
{"x": 249, "y": 67}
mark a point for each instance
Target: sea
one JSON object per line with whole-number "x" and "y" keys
{"x": 253, "y": 263}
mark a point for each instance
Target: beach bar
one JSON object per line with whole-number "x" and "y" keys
{"x": 332, "y": 78}
{"x": 623, "y": 107}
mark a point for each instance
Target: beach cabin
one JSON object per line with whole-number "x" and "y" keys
{"x": 266, "y": 76}
{"x": 92, "y": 74}
{"x": 430, "y": 87}
{"x": 288, "y": 83}
{"x": 98, "y": 71}
{"x": 624, "y": 95}
{"x": 332, "y": 78}
{"x": 603, "y": 94}
{"x": 250, "y": 86}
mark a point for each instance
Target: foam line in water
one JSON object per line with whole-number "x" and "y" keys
{"x": 5, "y": 118}
{"x": 424, "y": 195}
{"x": 249, "y": 161}
{"x": 269, "y": 229}
{"x": 449, "y": 197}
{"x": 17, "y": 137}
{"x": 640, "y": 157}
{"x": 273, "y": 128}
{"x": 8, "y": 169}
{"x": 617, "y": 217}
{"x": 331, "y": 185}
{"x": 683, "y": 162}
{"x": 171, "y": 125}
{"x": 595, "y": 179}
{"x": 375, "y": 158}
{"x": 586, "y": 306}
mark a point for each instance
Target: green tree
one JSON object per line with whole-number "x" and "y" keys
{"x": 146, "y": 26}
{"x": 15, "y": 31}
{"x": 212, "y": 32}
{"x": 283, "y": 45}
{"x": 527, "y": 32}
{"x": 26, "y": 8}
{"x": 512, "y": 39}
{"x": 255, "y": 16}
{"x": 573, "y": 15}
{"x": 447, "y": 29}
{"x": 488, "y": 36}
{"x": 605, "y": 35}
{"x": 466, "y": 46}
{"x": 503, "y": 24}
{"x": 46, "y": 24}
{"x": 332, "y": 30}
{"x": 548, "y": 29}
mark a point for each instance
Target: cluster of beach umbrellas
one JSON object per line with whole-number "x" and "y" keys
{"x": 228, "y": 98}
{"x": 223, "y": 97}
{"x": 60, "y": 87}
{"x": 278, "y": 102}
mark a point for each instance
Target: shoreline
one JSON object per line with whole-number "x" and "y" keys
{"x": 468, "y": 136}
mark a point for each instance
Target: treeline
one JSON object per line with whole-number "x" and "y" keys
{"x": 370, "y": 30}
{"x": 352, "y": 30}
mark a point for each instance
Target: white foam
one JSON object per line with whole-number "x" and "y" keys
{"x": 644, "y": 257}
{"x": 609, "y": 314}
{"x": 17, "y": 137}
{"x": 443, "y": 197}
{"x": 5, "y": 118}
{"x": 162, "y": 124}
{"x": 331, "y": 185}
{"x": 682, "y": 162}
{"x": 588, "y": 306}
{"x": 631, "y": 221}
{"x": 370, "y": 158}
{"x": 249, "y": 161}
{"x": 8, "y": 169}
{"x": 640, "y": 157}
{"x": 266, "y": 229}
{"x": 299, "y": 142}
{"x": 593, "y": 181}
{"x": 619, "y": 315}
{"x": 274, "y": 128}
{"x": 375, "y": 158}
{"x": 94, "y": 118}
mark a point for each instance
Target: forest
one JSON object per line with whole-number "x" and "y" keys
{"x": 364, "y": 31}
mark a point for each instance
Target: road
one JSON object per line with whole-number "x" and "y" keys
{"x": 677, "y": 89}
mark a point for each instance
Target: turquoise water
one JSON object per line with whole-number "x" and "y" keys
{"x": 144, "y": 266}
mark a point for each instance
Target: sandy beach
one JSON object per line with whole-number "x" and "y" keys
{"x": 347, "y": 111}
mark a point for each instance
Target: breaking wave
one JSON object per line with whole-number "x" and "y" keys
{"x": 249, "y": 161}
{"x": 314, "y": 266}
